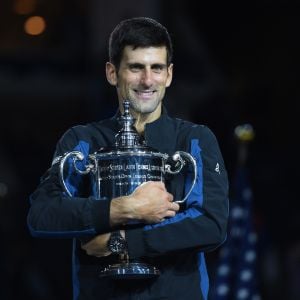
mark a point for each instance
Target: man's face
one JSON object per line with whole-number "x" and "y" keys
{"x": 142, "y": 78}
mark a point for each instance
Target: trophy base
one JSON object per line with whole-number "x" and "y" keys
{"x": 130, "y": 270}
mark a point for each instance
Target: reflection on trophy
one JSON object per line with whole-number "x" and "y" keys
{"x": 118, "y": 171}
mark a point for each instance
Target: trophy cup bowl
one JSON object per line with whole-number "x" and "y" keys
{"x": 117, "y": 171}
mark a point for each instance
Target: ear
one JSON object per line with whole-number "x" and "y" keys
{"x": 170, "y": 75}
{"x": 111, "y": 73}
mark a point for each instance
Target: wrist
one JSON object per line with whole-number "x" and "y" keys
{"x": 121, "y": 211}
{"x": 117, "y": 243}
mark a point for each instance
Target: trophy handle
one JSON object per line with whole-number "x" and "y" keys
{"x": 76, "y": 155}
{"x": 178, "y": 157}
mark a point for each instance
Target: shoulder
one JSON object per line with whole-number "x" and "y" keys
{"x": 88, "y": 136}
{"x": 189, "y": 130}
{"x": 88, "y": 130}
{"x": 77, "y": 132}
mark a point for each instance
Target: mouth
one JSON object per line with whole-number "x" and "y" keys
{"x": 145, "y": 94}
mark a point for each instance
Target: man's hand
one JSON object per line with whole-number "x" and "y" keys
{"x": 97, "y": 246}
{"x": 149, "y": 203}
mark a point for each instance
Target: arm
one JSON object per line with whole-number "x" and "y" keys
{"x": 149, "y": 203}
{"x": 202, "y": 224}
{"x": 52, "y": 214}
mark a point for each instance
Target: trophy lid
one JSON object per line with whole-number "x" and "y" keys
{"x": 127, "y": 140}
{"x": 128, "y": 137}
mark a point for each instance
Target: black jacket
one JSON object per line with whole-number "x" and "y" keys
{"x": 176, "y": 246}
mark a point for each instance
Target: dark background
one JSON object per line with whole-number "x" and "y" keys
{"x": 234, "y": 64}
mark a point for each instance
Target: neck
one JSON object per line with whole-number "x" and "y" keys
{"x": 142, "y": 119}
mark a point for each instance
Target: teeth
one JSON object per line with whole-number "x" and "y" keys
{"x": 144, "y": 92}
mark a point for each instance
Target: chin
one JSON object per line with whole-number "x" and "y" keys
{"x": 147, "y": 109}
{"x": 144, "y": 108}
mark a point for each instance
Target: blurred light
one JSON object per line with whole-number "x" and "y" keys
{"x": 3, "y": 189}
{"x": 245, "y": 132}
{"x": 35, "y": 25}
{"x": 24, "y": 7}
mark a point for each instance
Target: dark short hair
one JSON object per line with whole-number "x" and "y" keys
{"x": 138, "y": 32}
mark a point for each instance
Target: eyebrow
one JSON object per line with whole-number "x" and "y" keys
{"x": 141, "y": 66}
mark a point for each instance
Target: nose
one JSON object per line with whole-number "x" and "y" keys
{"x": 146, "y": 78}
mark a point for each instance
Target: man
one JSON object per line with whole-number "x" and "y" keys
{"x": 171, "y": 238}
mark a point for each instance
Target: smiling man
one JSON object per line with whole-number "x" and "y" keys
{"x": 172, "y": 238}
{"x": 142, "y": 78}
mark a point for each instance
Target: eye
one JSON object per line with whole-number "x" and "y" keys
{"x": 158, "y": 68}
{"x": 135, "y": 68}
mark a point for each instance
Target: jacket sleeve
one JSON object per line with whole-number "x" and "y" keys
{"x": 202, "y": 224}
{"x": 55, "y": 214}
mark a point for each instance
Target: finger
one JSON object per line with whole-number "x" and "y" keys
{"x": 152, "y": 184}
{"x": 143, "y": 183}
{"x": 158, "y": 184}
{"x": 170, "y": 197}
{"x": 170, "y": 213}
{"x": 174, "y": 206}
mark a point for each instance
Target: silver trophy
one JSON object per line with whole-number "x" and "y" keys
{"x": 118, "y": 170}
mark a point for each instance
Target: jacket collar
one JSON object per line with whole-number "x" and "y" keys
{"x": 159, "y": 134}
